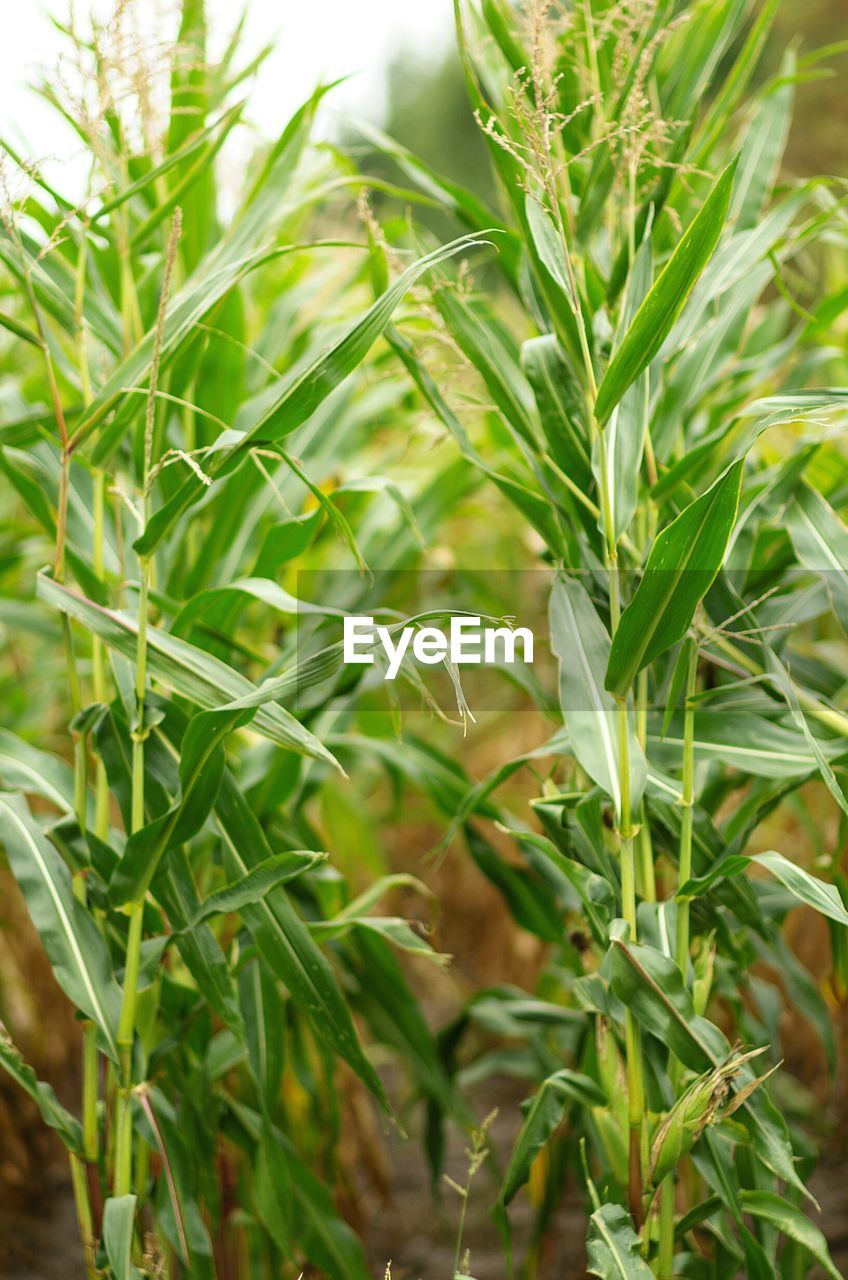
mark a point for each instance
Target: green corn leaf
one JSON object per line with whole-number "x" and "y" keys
{"x": 820, "y": 540}
{"x": 614, "y": 1248}
{"x": 387, "y": 1003}
{"x": 623, "y": 438}
{"x": 202, "y": 761}
{"x": 185, "y": 310}
{"x": 54, "y": 287}
{"x": 264, "y": 1022}
{"x": 71, "y": 939}
{"x": 285, "y": 541}
{"x": 284, "y": 940}
{"x": 548, "y": 245}
{"x": 822, "y": 897}
{"x": 561, "y": 406}
{"x": 212, "y": 607}
{"x": 188, "y": 191}
{"x": 484, "y": 343}
{"x": 181, "y": 666}
{"x": 376, "y": 891}
{"x": 783, "y": 682}
{"x": 200, "y": 950}
{"x": 143, "y": 184}
{"x": 650, "y": 984}
{"x": 467, "y": 207}
{"x": 666, "y": 299}
{"x": 118, "y": 1226}
{"x": 803, "y": 989}
{"x": 527, "y": 895}
{"x": 189, "y": 109}
{"x": 806, "y": 888}
{"x": 729, "y": 269}
{"x": 272, "y": 1190}
{"x": 35, "y": 772}
{"x": 762, "y": 150}
{"x": 720, "y": 109}
{"x": 280, "y": 868}
{"x": 595, "y": 892}
{"x": 393, "y": 929}
{"x": 582, "y": 645}
{"x": 541, "y": 1118}
{"x": 791, "y": 1222}
{"x": 52, "y": 1111}
{"x": 682, "y": 565}
{"x": 247, "y": 243}
{"x": 302, "y": 396}
{"x": 290, "y": 1196}
{"x": 749, "y": 742}
{"x": 20, "y": 330}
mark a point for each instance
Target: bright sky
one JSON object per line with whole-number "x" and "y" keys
{"x": 316, "y": 39}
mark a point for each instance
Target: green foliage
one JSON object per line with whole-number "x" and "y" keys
{"x": 648, "y": 376}
{"x": 632, "y": 369}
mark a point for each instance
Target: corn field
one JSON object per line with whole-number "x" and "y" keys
{"x": 273, "y": 914}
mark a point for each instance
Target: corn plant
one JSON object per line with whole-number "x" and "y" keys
{"x": 185, "y": 417}
{"x": 644, "y": 371}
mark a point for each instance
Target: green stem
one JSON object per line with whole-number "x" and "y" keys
{"x": 90, "y": 1061}
{"x": 687, "y": 803}
{"x": 635, "y": 1079}
{"x": 126, "y": 1024}
{"x": 90, "y": 1134}
{"x": 98, "y": 659}
{"x": 633, "y": 1043}
{"x": 665, "y": 1268}
{"x": 126, "y": 1032}
{"x": 647, "y": 876}
{"x": 667, "y": 1205}
{"x": 83, "y": 1206}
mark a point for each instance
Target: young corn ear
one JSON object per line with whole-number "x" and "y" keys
{"x": 709, "y": 1099}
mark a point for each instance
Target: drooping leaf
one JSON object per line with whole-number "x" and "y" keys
{"x": 284, "y": 940}
{"x": 183, "y": 667}
{"x": 802, "y": 885}
{"x": 280, "y": 868}
{"x": 807, "y": 888}
{"x": 820, "y": 539}
{"x": 42, "y": 1094}
{"x": 541, "y": 1119}
{"x": 791, "y": 1222}
{"x": 298, "y": 1208}
{"x": 73, "y": 943}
